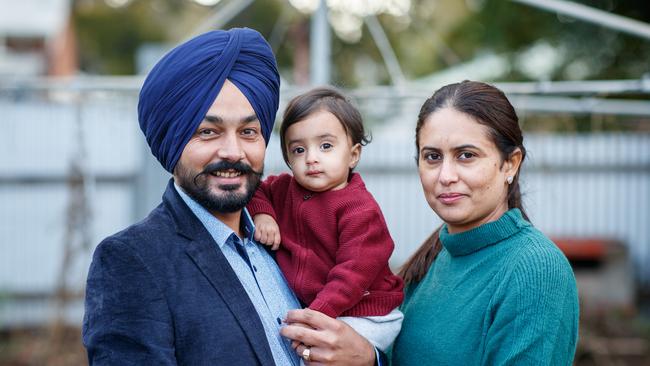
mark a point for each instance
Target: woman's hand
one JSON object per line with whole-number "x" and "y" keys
{"x": 330, "y": 341}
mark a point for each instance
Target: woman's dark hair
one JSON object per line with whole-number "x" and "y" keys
{"x": 488, "y": 106}
{"x": 323, "y": 99}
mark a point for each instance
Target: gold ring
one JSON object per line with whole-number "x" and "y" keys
{"x": 306, "y": 354}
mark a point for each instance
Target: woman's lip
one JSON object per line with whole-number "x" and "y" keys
{"x": 313, "y": 172}
{"x": 448, "y": 198}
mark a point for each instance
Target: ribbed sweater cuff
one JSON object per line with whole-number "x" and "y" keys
{"x": 378, "y": 305}
{"x": 256, "y": 208}
{"x": 324, "y": 308}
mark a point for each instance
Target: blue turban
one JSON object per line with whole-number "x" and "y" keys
{"x": 180, "y": 89}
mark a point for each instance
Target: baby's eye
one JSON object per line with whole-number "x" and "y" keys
{"x": 326, "y": 146}
{"x": 298, "y": 150}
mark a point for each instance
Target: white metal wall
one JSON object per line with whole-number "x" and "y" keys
{"x": 595, "y": 185}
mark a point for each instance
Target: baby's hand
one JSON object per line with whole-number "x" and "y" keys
{"x": 267, "y": 231}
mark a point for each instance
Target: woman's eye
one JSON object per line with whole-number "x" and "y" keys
{"x": 431, "y": 157}
{"x": 326, "y": 146}
{"x": 298, "y": 150}
{"x": 466, "y": 155}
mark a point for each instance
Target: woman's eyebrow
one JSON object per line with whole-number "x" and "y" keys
{"x": 466, "y": 146}
{"x": 455, "y": 148}
{"x": 429, "y": 148}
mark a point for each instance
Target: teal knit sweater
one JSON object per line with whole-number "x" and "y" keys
{"x": 499, "y": 294}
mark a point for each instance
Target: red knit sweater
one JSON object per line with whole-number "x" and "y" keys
{"x": 335, "y": 246}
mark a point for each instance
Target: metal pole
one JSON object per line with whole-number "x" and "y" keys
{"x": 592, "y": 15}
{"x": 387, "y": 52}
{"x": 320, "y": 47}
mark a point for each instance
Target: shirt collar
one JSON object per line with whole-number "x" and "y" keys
{"x": 219, "y": 231}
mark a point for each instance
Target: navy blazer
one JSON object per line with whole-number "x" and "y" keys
{"x": 160, "y": 293}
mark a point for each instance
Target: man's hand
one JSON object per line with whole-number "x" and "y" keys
{"x": 267, "y": 231}
{"x": 331, "y": 341}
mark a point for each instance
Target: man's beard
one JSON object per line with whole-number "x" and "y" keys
{"x": 197, "y": 186}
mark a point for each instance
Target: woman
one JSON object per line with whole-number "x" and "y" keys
{"x": 486, "y": 288}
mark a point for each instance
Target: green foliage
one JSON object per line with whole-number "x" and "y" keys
{"x": 108, "y": 38}
{"x": 261, "y": 16}
{"x": 434, "y": 36}
{"x": 589, "y": 50}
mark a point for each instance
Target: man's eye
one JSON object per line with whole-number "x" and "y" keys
{"x": 298, "y": 150}
{"x": 249, "y": 132}
{"x": 206, "y": 132}
{"x": 326, "y": 146}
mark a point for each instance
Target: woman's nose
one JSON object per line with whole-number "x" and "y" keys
{"x": 448, "y": 173}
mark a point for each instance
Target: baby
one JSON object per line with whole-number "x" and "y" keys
{"x": 335, "y": 243}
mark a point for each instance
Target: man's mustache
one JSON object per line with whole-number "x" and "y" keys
{"x": 227, "y": 165}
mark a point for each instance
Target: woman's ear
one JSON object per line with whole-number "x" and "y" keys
{"x": 355, "y": 155}
{"x": 512, "y": 163}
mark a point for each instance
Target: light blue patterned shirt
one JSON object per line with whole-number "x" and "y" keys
{"x": 264, "y": 283}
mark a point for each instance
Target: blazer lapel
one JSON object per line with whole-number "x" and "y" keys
{"x": 215, "y": 267}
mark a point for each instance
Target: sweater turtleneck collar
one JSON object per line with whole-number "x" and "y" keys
{"x": 473, "y": 240}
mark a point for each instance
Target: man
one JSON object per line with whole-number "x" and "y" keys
{"x": 188, "y": 284}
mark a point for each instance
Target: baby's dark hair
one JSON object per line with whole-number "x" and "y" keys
{"x": 323, "y": 99}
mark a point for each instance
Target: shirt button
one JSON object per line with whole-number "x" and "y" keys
{"x": 279, "y": 321}
{"x": 254, "y": 268}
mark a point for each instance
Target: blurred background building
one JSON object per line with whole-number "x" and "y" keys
{"x": 37, "y": 38}
{"x": 74, "y": 166}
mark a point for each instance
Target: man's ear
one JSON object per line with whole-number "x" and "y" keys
{"x": 355, "y": 155}
{"x": 512, "y": 163}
